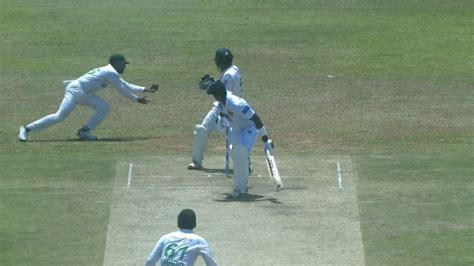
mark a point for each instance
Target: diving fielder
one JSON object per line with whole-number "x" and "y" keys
{"x": 82, "y": 92}
{"x": 231, "y": 79}
{"x": 246, "y": 126}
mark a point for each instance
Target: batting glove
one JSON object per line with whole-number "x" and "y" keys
{"x": 267, "y": 145}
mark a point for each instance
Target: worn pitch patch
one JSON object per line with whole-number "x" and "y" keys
{"x": 313, "y": 221}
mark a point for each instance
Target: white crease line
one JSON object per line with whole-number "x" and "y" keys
{"x": 217, "y": 176}
{"x": 339, "y": 176}
{"x": 135, "y": 187}
{"x": 129, "y": 182}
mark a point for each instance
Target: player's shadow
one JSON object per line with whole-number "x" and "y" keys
{"x": 214, "y": 171}
{"x": 123, "y": 139}
{"x": 248, "y": 198}
{"x": 118, "y": 139}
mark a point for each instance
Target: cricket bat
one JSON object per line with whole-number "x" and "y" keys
{"x": 273, "y": 171}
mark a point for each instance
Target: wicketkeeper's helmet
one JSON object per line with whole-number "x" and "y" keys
{"x": 223, "y": 58}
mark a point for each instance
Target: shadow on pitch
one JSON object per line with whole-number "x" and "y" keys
{"x": 214, "y": 171}
{"x": 118, "y": 139}
{"x": 248, "y": 198}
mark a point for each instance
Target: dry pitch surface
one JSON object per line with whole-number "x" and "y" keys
{"x": 313, "y": 221}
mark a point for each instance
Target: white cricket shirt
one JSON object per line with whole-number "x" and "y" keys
{"x": 231, "y": 79}
{"x": 99, "y": 78}
{"x": 180, "y": 248}
{"x": 239, "y": 112}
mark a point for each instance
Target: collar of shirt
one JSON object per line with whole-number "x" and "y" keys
{"x": 186, "y": 230}
{"x": 112, "y": 69}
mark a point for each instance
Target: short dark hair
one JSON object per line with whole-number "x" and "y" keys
{"x": 187, "y": 219}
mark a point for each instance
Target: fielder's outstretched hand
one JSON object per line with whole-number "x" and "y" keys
{"x": 153, "y": 88}
{"x": 143, "y": 100}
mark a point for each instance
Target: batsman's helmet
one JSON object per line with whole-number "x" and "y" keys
{"x": 223, "y": 58}
{"x": 118, "y": 58}
{"x": 187, "y": 219}
{"x": 217, "y": 89}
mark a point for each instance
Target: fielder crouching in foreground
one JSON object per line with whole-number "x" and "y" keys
{"x": 246, "y": 126}
{"x": 82, "y": 92}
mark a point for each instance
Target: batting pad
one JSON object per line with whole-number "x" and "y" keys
{"x": 313, "y": 221}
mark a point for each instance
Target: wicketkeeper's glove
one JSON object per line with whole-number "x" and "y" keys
{"x": 153, "y": 88}
{"x": 206, "y": 82}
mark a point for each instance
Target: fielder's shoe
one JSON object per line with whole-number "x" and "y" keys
{"x": 23, "y": 136}
{"x": 86, "y": 134}
{"x": 194, "y": 166}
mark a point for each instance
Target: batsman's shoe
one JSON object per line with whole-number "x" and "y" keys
{"x": 235, "y": 194}
{"x": 86, "y": 135}
{"x": 23, "y": 136}
{"x": 194, "y": 166}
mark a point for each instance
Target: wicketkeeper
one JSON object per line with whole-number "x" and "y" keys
{"x": 246, "y": 126}
{"x": 230, "y": 77}
{"x": 82, "y": 92}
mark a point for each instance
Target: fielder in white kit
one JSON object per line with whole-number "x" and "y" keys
{"x": 231, "y": 78}
{"x": 181, "y": 247}
{"x": 82, "y": 92}
{"x": 246, "y": 126}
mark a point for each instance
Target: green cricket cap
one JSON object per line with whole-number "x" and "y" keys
{"x": 118, "y": 58}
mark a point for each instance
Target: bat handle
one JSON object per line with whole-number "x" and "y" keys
{"x": 268, "y": 153}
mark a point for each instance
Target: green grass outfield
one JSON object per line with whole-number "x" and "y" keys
{"x": 384, "y": 85}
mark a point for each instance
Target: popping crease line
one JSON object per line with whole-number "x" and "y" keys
{"x": 129, "y": 181}
{"x": 339, "y": 176}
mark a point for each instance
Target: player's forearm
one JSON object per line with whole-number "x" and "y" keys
{"x": 153, "y": 257}
{"x": 126, "y": 89}
{"x": 258, "y": 122}
{"x": 208, "y": 258}
{"x": 259, "y": 125}
{"x": 136, "y": 89}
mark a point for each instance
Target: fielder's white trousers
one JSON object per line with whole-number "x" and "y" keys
{"x": 242, "y": 144}
{"x": 72, "y": 98}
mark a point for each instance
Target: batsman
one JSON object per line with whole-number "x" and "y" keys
{"x": 246, "y": 127}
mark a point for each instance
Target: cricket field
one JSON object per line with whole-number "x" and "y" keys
{"x": 370, "y": 104}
